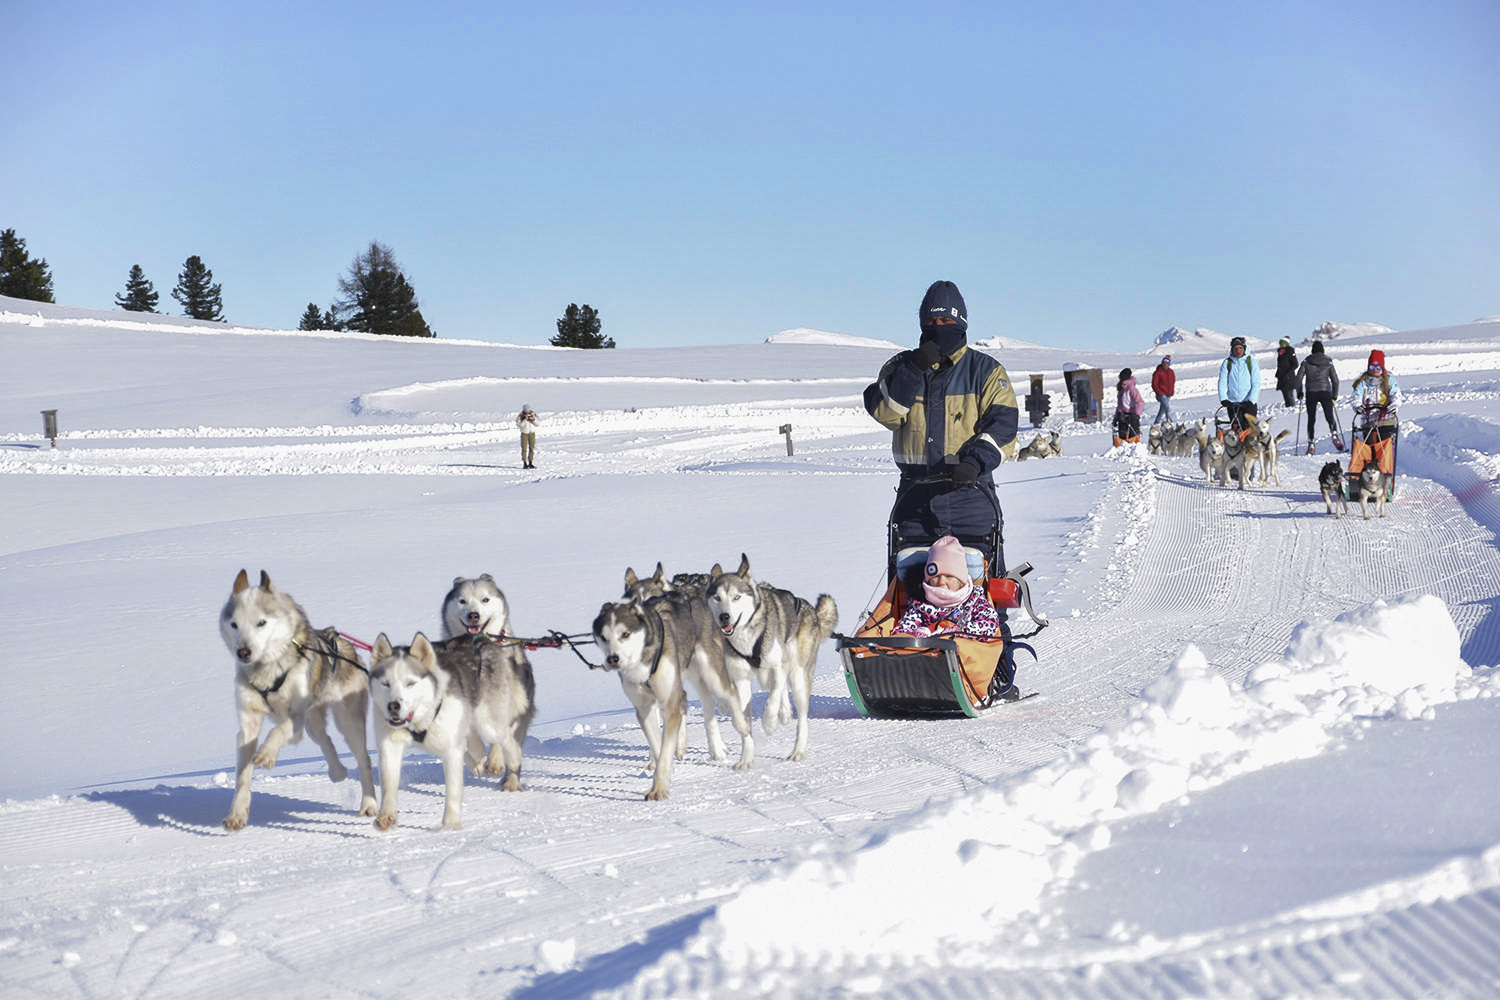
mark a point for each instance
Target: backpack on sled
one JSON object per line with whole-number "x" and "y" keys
{"x": 941, "y": 676}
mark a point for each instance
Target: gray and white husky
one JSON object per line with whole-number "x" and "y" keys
{"x": 655, "y": 646}
{"x": 449, "y": 697}
{"x": 778, "y": 633}
{"x": 285, "y": 669}
{"x": 1331, "y": 483}
{"x": 475, "y": 607}
{"x": 1372, "y": 486}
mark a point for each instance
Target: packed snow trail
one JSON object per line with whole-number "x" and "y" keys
{"x": 524, "y": 876}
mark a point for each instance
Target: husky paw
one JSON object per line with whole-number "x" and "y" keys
{"x": 769, "y": 723}
{"x": 655, "y": 796}
{"x": 385, "y": 821}
{"x": 235, "y": 821}
{"x": 448, "y": 825}
{"x": 367, "y": 807}
{"x": 513, "y": 784}
{"x": 744, "y": 765}
{"x": 798, "y": 755}
{"x": 493, "y": 768}
{"x": 337, "y": 773}
{"x": 265, "y": 760}
{"x": 717, "y": 752}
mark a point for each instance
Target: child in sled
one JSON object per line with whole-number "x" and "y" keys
{"x": 953, "y": 604}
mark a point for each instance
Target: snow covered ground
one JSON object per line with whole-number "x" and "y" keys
{"x": 1261, "y": 760}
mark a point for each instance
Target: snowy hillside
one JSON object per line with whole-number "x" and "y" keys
{"x": 1260, "y": 759}
{"x": 1182, "y": 343}
{"x": 1331, "y": 331}
{"x": 802, "y": 335}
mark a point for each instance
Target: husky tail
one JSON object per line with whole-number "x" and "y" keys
{"x": 828, "y": 616}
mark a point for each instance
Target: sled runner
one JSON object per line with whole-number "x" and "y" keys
{"x": 895, "y": 676}
{"x": 1372, "y": 440}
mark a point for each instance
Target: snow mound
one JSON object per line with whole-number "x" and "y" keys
{"x": 803, "y": 335}
{"x": 1179, "y": 342}
{"x": 1345, "y": 331}
{"x": 941, "y": 885}
{"x": 1007, "y": 344}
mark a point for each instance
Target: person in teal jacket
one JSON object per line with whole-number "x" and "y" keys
{"x": 1239, "y": 383}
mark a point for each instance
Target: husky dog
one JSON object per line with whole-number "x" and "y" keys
{"x": 1372, "y": 484}
{"x": 655, "y": 645}
{"x": 1054, "y": 445}
{"x": 690, "y": 587}
{"x": 285, "y": 669}
{"x": 475, "y": 607}
{"x": 450, "y": 697}
{"x": 1211, "y": 457}
{"x": 1262, "y": 451}
{"x": 1154, "y": 440}
{"x": 1237, "y": 457}
{"x": 1331, "y": 483}
{"x": 1190, "y": 436}
{"x": 478, "y": 608}
{"x": 779, "y": 634}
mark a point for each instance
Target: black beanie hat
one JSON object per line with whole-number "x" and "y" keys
{"x": 1317, "y": 347}
{"x": 944, "y": 299}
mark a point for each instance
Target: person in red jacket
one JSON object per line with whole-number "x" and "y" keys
{"x": 1164, "y": 384}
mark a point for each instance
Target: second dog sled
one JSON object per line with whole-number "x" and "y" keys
{"x": 952, "y": 676}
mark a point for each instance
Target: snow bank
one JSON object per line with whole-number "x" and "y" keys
{"x": 939, "y": 886}
{"x": 803, "y": 335}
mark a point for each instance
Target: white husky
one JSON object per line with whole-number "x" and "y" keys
{"x": 475, "y": 607}
{"x": 288, "y": 671}
{"x": 450, "y": 697}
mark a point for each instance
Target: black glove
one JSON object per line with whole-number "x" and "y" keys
{"x": 927, "y": 354}
{"x": 965, "y": 474}
{"x": 1299, "y": 393}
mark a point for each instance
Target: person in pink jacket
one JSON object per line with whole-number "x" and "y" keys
{"x": 953, "y": 604}
{"x": 1128, "y": 409}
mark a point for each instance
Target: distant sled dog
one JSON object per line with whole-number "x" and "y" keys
{"x": 478, "y": 607}
{"x": 779, "y": 634}
{"x": 286, "y": 670}
{"x": 1331, "y": 482}
{"x": 475, "y": 607}
{"x": 449, "y": 697}
{"x": 655, "y": 646}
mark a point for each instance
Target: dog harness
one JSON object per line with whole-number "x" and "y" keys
{"x": 421, "y": 737}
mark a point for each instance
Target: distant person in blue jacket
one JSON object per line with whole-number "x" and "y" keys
{"x": 1239, "y": 383}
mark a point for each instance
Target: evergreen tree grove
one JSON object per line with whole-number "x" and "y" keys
{"x": 579, "y": 327}
{"x": 197, "y": 292}
{"x": 21, "y": 276}
{"x": 139, "y": 295}
{"x": 378, "y": 298}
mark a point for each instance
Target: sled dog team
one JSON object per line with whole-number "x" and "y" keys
{"x": 474, "y": 688}
{"x": 1255, "y": 452}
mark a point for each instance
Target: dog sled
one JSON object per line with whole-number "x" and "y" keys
{"x": 942, "y": 676}
{"x": 1372, "y": 439}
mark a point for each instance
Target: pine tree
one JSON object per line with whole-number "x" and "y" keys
{"x": 22, "y": 277}
{"x": 139, "y": 295}
{"x": 579, "y": 327}
{"x": 312, "y": 319}
{"x": 378, "y": 298}
{"x": 197, "y": 292}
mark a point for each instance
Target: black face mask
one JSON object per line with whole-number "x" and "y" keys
{"x": 949, "y": 336}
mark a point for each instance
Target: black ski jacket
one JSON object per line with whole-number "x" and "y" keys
{"x": 1317, "y": 374}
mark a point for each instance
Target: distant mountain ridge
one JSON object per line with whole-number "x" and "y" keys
{"x": 1178, "y": 341}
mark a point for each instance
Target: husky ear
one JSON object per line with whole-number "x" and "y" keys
{"x": 422, "y": 649}
{"x": 630, "y": 578}
{"x": 265, "y": 581}
{"x": 486, "y": 576}
{"x": 242, "y": 582}
{"x": 744, "y": 569}
{"x": 381, "y": 650}
{"x": 660, "y": 572}
{"x": 458, "y": 580}
{"x": 716, "y": 572}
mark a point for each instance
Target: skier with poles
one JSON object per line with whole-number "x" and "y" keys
{"x": 1318, "y": 384}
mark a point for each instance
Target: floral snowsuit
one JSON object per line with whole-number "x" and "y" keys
{"x": 975, "y": 616}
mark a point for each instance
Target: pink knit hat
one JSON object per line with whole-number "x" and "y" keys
{"x": 947, "y": 556}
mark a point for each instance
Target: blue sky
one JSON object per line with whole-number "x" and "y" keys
{"x": 1088, "y": 173}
